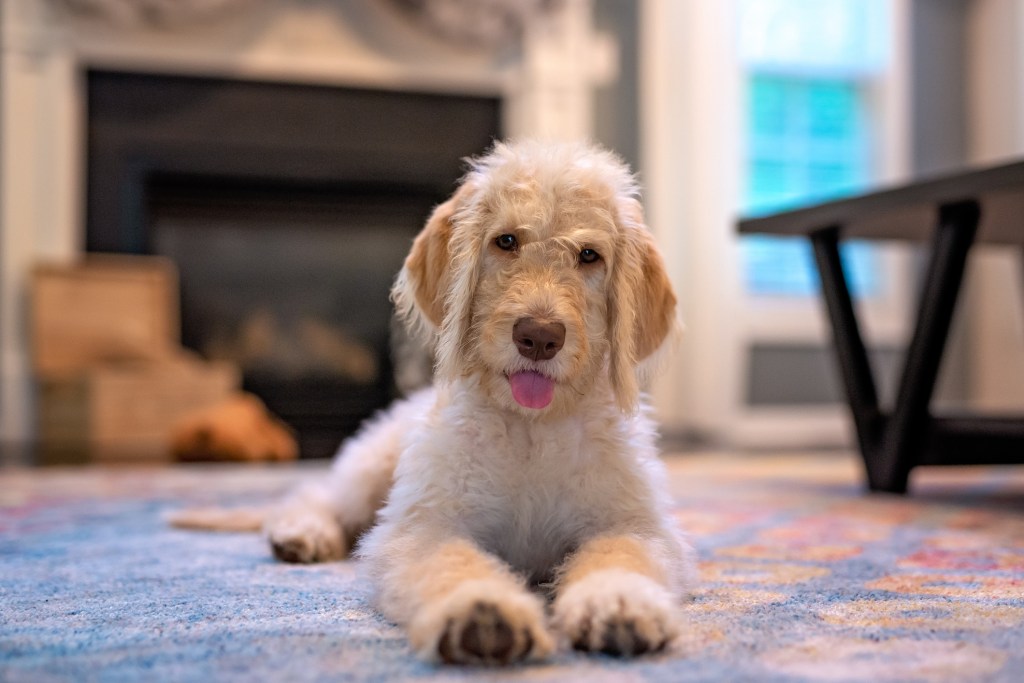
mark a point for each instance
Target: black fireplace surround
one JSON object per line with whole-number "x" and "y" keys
{"x": 287, "y": 209}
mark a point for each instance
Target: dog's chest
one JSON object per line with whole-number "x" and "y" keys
{"x": 529, "y": 502}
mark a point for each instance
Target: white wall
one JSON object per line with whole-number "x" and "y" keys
{"x": 39, "y": 196}
{"x": 994, "y": 299}
{"x": 690, "y": 147}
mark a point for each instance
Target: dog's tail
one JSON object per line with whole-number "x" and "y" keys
{"x": 219, "y": 519}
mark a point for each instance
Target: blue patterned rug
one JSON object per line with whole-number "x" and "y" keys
{"x": 805, "y": 577}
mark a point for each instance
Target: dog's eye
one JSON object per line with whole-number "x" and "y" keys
{"x": 589, "y": 256}
{"x": 507, "y": 242}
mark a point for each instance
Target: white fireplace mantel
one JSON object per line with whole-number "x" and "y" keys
{"x": 545, "y": 79}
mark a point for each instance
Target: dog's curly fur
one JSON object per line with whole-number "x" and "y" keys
{"x": 474, "y": 505}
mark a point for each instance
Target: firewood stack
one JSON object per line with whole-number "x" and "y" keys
{"x": 113, "y": 379}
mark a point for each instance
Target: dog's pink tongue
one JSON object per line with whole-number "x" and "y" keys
{"x": 531, "y": 389}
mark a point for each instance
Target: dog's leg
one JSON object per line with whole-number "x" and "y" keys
{"x": 616, "y": 595}
{"x": 321, "y": 521}
{"x": 460, "y": 604}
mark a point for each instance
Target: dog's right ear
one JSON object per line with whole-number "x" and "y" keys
{"x": 422, "y": 286}
{"x": 642, "y": 305}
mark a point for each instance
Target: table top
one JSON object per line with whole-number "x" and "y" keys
{"x": 910, "y": 212}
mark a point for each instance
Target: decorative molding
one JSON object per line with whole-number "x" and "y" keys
{"x": 154, "y": 12}
{"x": 490, "y": 24}
{"x": 478, "y": 23}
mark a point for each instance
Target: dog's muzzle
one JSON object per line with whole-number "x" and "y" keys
{"x": 538, "y": 341}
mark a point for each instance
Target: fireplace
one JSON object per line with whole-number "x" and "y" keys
{"x": 288, "y": 209}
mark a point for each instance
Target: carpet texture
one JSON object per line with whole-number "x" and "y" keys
{"x": 804, "y": 577}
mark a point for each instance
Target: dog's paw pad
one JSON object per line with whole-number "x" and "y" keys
{"x": 626, "y": 617}
{"x": 306, "y": 537}
{"x": 293, "y": 550}
{"x": 620, "y": 637}
{"x": 485, "y": 636}
{"x": 470, "y": 627}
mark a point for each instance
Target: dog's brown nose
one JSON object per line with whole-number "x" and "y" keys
{"x": 537, "y": 340}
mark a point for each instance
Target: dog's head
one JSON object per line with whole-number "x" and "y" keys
{"x": 540, "y": 279}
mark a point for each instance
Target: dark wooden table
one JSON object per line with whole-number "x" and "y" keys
{"x": 952, "y": 213}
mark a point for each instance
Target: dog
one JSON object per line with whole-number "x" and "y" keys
{"x": 239, "y": 428}
{"x": 518, "y": 504}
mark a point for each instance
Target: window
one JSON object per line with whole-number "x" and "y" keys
{"x": 809, "y": 66}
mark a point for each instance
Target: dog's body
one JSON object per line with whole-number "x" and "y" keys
{"x": 531, "y": 464}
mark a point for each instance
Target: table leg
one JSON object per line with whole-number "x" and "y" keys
{"x": 904, "y": 432}
{"x": 854, "y": 365}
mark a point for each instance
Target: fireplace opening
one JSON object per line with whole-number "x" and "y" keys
{"x": 288, "y": 210}
{"x": 290, "y": 283}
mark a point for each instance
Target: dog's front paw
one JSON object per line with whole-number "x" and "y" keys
{"x": 482, "y": 623}
{"x": 305, "y": 534}
{"x": 617, "y": 613}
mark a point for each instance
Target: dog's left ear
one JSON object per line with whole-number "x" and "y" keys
{"x": 641, "y": 304}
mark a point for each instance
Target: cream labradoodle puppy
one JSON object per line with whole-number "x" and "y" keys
{"x": 530, "y": 471}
